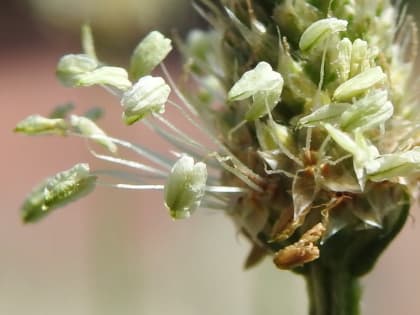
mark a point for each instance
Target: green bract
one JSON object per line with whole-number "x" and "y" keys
{"x": 147, "y": 96}
{"x": 38, "y": 125}
{"x": 57, "y": 191}
{"x": 151, "y": 51}
{"x": 185, "y": 187}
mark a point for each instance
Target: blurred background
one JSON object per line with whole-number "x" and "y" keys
{"x": 118, "y": 252}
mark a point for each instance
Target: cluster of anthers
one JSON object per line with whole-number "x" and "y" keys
{"x": 312, "y": 129}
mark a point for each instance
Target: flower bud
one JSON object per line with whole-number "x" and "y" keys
{"x": 185, "y": 187}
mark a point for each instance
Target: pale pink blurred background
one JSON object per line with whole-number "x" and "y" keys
{"x": 118, "y": 252}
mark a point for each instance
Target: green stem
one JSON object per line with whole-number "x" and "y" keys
{"x": 332, "y": 292}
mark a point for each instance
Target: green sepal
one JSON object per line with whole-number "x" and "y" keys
{"x": 357, "y": 246}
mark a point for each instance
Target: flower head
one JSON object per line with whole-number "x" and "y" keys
{"x": 309, "y": 113}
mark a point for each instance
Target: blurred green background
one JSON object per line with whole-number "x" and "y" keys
{"x": 118, "y": 252}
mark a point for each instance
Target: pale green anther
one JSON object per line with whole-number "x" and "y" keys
{"x": 147, "y": 96}
{"x": 185, "y": 187}
{"x": 149, "y": 53}
{"x": 82, "y": 70}
{"x": 389, "y": 166}
{"x": 57, "y": 191}
{"x": 343, "y": 60}
{"x": 368, "y": 112}
{"x": 88, "y": 128}
{"x": 360, "y": 59}
{"x": 71, "y": 66}
{"x": 260, "y": 79}
{"x": 112, "y": 76}
{"x": 39, "y": 125}
{"x": 319, "y": 31}
{"x": 359, "y": 84}
{"x": 330, "y": 113}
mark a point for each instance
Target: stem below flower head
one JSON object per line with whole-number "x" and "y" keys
{"x": 332, "y": 291}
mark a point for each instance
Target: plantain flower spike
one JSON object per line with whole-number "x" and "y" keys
{"x": 310, "y": 121}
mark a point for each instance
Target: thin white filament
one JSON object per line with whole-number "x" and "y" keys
{"x": 132, "y": 164}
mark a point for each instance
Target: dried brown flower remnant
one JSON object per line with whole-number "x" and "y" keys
{"x": 301, "y": 252}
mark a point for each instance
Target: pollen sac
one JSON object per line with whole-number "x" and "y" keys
{"x": 82, "y": 70}
{"x": 343, "y": 62}
{"x": 151, "y": 51}
{"x": 57, "y": 191}
{"x": 359, "y": 84}
{"x": 359, "y": 57}
{"x": 260, "y": 79}
{"x": 316, "y": 34}
{"x": 39, "y": 125}
{"x": 71, "y": 67}
{"x": 147, "y": 96}
{"x": 185, "y": 187}
{"x": 88, "y": 128}
{"x": 113, "y": 76}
